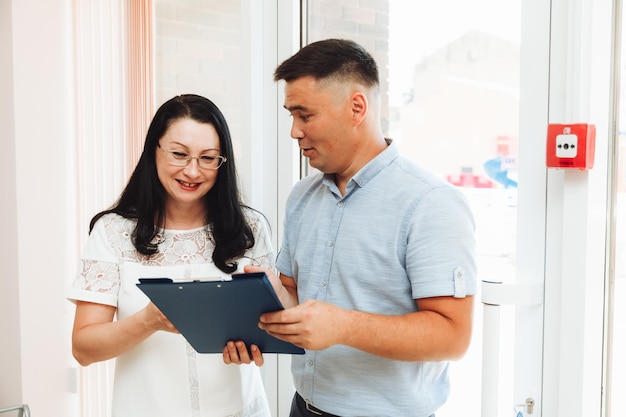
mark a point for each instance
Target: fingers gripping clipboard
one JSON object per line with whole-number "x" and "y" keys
{"x": 210, "y": 313}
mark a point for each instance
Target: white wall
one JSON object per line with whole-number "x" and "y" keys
{"x": 36, "y": 220}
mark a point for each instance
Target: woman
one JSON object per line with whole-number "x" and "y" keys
{"x": 180, "y": 216}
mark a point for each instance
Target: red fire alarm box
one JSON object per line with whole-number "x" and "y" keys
{"x": 571, "y": 146}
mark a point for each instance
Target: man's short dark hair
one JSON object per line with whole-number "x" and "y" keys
{"x": 331, "y": 59}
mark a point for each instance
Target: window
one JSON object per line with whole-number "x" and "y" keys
{"x": 451, "y": 84}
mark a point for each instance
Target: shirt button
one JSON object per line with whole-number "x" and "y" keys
{"x": 309, "y": 362}
{"x": 331, "y": 244}
{"x": 323, "y": 283}
{"x": 458, "y": 273}
{"x": 340, "y": 204}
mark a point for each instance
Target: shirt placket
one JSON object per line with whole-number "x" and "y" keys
{"x": 323, "y": 285}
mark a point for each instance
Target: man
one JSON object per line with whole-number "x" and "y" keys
{"x": 377, "y": 261}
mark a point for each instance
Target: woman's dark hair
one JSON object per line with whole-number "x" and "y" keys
{"x": 330, "y": 58}
{"x": 144, "y": 196}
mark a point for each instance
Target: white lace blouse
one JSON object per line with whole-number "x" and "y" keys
{"x": 164, "y": 376}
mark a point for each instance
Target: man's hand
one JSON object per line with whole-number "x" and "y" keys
{"x": 311, "y": 325}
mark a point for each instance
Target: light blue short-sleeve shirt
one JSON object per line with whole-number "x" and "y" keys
{"x": 398, "y": 234}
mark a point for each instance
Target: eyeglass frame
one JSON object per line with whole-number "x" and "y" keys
{"x": 187, "y": 160}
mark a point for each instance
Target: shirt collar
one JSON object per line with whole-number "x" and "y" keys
{"x": 370, "y": 170}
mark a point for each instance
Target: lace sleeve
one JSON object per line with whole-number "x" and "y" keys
{"x": 262, "y": 254}
{"x": 98, "y": 277}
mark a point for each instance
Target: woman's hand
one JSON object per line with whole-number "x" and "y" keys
{"x": 284, "y": 286}
{"x": 237, "y": 353}
{"x": 155, "y": 320}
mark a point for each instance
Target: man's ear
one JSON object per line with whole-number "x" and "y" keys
{"x": 359, "y": 106}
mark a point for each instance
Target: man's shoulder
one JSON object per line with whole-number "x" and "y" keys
{"x": 413, "y": 174}
{"x": 307, "y": 183}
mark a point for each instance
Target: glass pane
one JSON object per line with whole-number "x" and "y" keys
{"x": 452, "y": 104}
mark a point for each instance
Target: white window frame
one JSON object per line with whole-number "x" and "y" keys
{"x": 576, "y": 217}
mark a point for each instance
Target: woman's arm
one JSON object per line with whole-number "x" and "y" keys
{"x": 96, "y": 337}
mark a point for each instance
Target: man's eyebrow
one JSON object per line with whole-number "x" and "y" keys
{"x": 295, "y": 108}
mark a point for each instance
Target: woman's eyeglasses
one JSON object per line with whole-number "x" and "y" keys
{"x": 181, "y": 159}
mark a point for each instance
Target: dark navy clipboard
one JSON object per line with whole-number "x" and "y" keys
{"x": 210, "y": 313}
